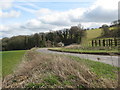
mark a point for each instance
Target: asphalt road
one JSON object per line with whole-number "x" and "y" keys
{"x": 112, "y": 60}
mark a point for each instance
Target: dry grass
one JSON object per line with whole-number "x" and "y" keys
{"x": 73, "y": 46}
{"x": 53, "y": 71}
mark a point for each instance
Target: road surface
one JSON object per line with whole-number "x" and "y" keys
{"x": 112, "y": 60}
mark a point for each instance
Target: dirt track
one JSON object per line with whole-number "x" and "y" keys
{"x": 112, "y": 60}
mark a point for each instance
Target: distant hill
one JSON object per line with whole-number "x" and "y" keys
{"x": 98, "y": 33}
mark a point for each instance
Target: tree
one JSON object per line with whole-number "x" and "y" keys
{"x": 116, "y": 22}
{"x": 36, "y": 40}
{"x": 105, "y": 29}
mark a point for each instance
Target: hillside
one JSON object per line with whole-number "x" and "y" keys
{"x": 91, "y": 34}
{"x": 95, "y": 33}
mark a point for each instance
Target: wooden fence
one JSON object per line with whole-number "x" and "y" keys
{"x": 106, "y": 42}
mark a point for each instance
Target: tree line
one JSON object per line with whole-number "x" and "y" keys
{"x": 108, "y": 32}
{"x": 50, "y": 39}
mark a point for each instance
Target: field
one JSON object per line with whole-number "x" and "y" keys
{"x": 10, "y": 59}
{"x": 91, "y": 34}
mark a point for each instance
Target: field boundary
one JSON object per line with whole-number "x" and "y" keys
{"x": 95, "y": 53}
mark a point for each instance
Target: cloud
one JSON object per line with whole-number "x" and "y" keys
{"x": 38, "y": 26}
{"x": 106, "y": 4}
{"x": 61, "y": 18}
{"x": 6, "y": 4}
{"x": 13, "y": 30}
{"x": 101, "y": 12}
{"x": 3, "y": 28}
{"x": 43, "y": 11}
{"x": 24, "y": 8}
{"x": 10, "y": 14}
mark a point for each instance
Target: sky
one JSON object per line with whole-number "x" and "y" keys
{"x": 26, "y": 17}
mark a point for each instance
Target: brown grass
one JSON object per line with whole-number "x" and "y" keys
{"x": 73, "y": 46}
{"x": 38, "y": 66}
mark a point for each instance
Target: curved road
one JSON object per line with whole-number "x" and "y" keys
{"x": 112, "y": 60}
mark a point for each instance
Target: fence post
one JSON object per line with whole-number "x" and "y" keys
{"x": 92, "y": 43}
{"x": 99, "y": 42}
{"x": 95, "y": 42}
{"x": 109, "y": 42}
{"x": 115, "y": 41}
{"x": 103, "y": 42}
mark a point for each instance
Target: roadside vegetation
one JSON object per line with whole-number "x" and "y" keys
{"x": 10, "y": 59}
{"x": 88, "y": 50}
{"x": 60, "y": 71}
{"x": 101, "y": 69}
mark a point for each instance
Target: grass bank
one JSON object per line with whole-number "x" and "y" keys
{"x": 101, "y": 69}
{"x": 10, "y": 59}
{"x": 41, "y": 70}
{"x": 100, "y": 52}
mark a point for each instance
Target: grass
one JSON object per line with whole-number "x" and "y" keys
{"x": 91, "y": 34}
{"x": 51, "y": 80}
{"x": 101, "y": 69}
{"x": 10, "y": 59}
{"x": 34, "y": 85}
{"x": 41, "y": 70}
{"x": 84, "y": 51}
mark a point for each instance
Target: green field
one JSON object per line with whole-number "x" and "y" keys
{"x": 10, "y": 59}
{"x": 93, "y": 34}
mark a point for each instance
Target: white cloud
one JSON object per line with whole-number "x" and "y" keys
{"x": 61, "y": 18}
{"x": 6, "y": 4}
{"x": 10, "y": 14}
{"x": 106, "y": 4}
{"x": 25, "y": 9}
{"x": 3, "y": 28}
{"x": 43, "y": 11}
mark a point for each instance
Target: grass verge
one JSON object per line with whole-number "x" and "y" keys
{"x": 101, "y": 69}
{"x": 41, "y": 70}
{"x": 102, "y": 52}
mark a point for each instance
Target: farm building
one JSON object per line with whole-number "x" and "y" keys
{"x": 60, "y": 44}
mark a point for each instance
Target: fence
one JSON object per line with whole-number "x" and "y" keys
{"x": 106, "y": 42}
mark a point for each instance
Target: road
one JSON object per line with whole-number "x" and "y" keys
{"x": 112, "y": 60}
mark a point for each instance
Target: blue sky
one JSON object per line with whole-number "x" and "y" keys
{"x": 57, "y": 6}
{"x": 30, "y": 16}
